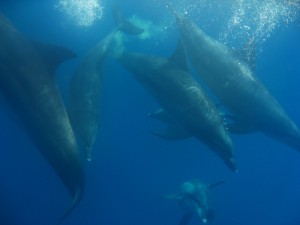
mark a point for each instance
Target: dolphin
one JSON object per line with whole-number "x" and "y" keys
{"x": 27, "y": 81}
{"x": 194, "y": 198}
{"x": 86, "y": 86}
{"x": 182, "y": 98}
{"x": 230, "y": 76}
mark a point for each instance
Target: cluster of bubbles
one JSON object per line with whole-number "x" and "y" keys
{"x": 255, "y": 20}
{"x": 239, "y": 20}
{"x": 82, "y": 12}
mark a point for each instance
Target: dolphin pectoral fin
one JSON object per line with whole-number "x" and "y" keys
{"x": 172, "y": 133}
{"x": 185, "y": 219}
{"x": 162, "y": 115}
{"x": 123, "y": 24}
{"x": 210, "y": 186}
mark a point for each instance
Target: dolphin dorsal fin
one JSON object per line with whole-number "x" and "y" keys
{"x": 215, "y": 184}
{"x": 52, "y": 55}
{"x": 179, "y": 57}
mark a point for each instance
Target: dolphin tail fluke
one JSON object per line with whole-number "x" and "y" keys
{"x": 185, "y": 219}
{"x": 76, "y": 198}
{"x": 123, "y": 24}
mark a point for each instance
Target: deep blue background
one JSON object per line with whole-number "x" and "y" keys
{"x": 131, "y": 168}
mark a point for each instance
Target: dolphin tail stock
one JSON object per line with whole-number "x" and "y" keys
{"x": 75, "y": 200}
{"x": 123, "y": 24}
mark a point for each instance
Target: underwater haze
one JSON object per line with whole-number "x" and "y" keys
{"x": 131, "y": 168}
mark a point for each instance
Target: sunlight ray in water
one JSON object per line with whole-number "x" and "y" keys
{"x": 81, "y": 12}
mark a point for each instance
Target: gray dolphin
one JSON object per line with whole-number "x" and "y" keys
{"x": 194, "y": 198}
{"x": 231, "y": 78}
{"x": 27, "y": 82}
{"x": 86, "y": 86}
{"x": 181, "y": 97}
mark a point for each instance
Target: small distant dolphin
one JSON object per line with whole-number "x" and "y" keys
{"x": 182, "y": 98}
{"x": 194, "y": 198}
{"x": 27, "y": 82}
{"x": 231, "y": 78}
{"x": 86, "y": 86}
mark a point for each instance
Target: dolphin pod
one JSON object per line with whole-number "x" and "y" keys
{"x": 27, "y": 82}
{"x": 231, "y": 78}
{"x": 194, "y": 198}
{"x": 86, "y": 86}
{"x": 180, "y": 96}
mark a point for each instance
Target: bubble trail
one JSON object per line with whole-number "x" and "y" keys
{"x": 82, "y": 12}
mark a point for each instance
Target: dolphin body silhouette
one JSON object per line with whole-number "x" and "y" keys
{"x": 27, "y": 82}
{"x": 191, "y": 111}
{"x": 194, "y": 198}
{"x": 231, "y": 78}
{"x": 86, "y": 86}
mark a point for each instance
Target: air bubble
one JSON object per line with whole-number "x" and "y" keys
{"x": 81, "y": 12}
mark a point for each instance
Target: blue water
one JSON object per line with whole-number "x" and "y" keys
{"x": 130, "y": 167}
